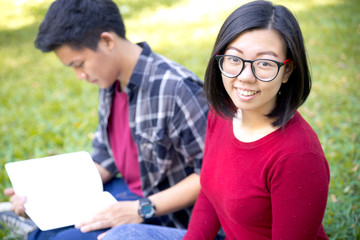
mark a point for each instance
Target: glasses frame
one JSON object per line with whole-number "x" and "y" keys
{"x": 279, "y": 64}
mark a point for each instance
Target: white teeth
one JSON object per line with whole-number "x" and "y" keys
{"x": 246, "y": 93}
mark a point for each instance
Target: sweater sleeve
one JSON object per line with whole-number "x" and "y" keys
{"x": 204, "y": 223}
{"x": 299, "y": 190}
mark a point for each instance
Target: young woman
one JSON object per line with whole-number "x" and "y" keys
{"x": 264, "y": 172}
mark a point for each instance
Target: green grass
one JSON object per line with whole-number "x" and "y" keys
{"x": 44, "y": 110}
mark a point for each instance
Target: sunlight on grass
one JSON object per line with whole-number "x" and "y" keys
{"x": 188, "y": 24}
{"x": 16, "y": 19}
{"x": 304, "y": 5}
{"x": 189, "y": 14}
{"x": 15, "y": 13}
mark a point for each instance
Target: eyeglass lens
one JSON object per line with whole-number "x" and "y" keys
{"x": 263, "y": 69}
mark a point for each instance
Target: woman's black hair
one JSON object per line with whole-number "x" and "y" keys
{"x": 262, "y": 15}
{"x": 79, "y": 24}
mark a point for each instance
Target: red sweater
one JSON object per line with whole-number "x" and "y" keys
{"x": 273, "y": 188}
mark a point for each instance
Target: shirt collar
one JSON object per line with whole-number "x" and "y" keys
{"x": 142, "y": 68}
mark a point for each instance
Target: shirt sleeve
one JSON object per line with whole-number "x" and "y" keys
{"x": 101, "y": 154}
{"x": 299, "y": 190}
{"x": 189, "y": 122}
{"x": 204, "y": 223}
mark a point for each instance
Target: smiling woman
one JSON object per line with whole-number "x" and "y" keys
{"x": 247, "y": 89}
{"x": 258, "y": 184}
{"x": 259, "y": 129}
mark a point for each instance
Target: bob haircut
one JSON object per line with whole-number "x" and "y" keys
{"x": 79, "y": 24}
{"x": 262, "y": 15}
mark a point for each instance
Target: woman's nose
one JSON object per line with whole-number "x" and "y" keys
{"x": 247, "y": 74}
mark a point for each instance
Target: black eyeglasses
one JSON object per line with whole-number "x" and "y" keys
{"x": 265, "y": 70}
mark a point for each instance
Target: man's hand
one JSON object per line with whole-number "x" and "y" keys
{"x": 17, "y": 202}
{"x": 118, "y": 213}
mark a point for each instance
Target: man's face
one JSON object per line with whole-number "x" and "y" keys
{"x": 96, "y": 67}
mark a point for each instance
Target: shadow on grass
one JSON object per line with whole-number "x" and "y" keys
{"x": 17, "y": 37}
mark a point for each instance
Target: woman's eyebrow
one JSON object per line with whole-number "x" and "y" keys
{"x": 267, "y": 53}
{"x": 257, "y": 54}
{"x": 233, "y": 48}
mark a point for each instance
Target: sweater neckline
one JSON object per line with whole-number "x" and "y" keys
{"x": 254, "y": 144}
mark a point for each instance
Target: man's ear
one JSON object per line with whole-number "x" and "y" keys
{"x": 288, "y": 70}
{"x": 108, "y": 40}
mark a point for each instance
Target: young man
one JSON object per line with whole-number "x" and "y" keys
{"x": 152, "y": 119}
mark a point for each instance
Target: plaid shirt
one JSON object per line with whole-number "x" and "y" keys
{"x": 167, "y": 114}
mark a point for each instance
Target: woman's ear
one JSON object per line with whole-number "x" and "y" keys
{"x": 288, "y": 70}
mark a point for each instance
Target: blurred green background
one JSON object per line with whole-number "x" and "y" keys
{"x": 45, "y": 110}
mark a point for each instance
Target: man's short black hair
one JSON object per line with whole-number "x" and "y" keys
{"x": 79, "y": 24}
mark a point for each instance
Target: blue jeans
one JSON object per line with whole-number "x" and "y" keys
{"x": 117, "y": 187}
{"x": 146, "y": 232}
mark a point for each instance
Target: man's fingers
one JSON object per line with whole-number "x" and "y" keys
{"x": 95, "y": 226}
{"x": 101, "y": 236}
{"x": 17, "y": 205}
{"x": 9, "y": 191}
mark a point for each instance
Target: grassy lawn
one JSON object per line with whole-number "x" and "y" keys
{"x": 44, "y": 110}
